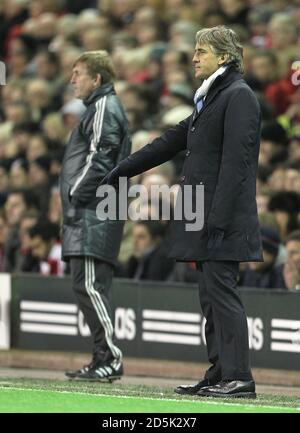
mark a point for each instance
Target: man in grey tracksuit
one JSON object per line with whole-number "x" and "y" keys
{"x": 96, "y": 145}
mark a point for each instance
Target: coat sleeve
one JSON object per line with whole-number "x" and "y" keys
{"x": 160, "y": 150}
{"x": 104, "y": 141}
{"x": 241, "y": 134}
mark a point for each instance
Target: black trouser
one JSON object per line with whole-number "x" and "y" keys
{"x": 226, "y": 329}
{"x": 92, "y": 279}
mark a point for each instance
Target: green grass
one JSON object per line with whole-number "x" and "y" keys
{"x": 52, "y": 396}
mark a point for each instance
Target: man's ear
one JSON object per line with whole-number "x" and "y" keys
{"x": 98, "y": 80}
{"x": 223, "y": 59}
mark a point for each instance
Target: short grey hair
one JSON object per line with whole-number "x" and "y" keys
{"x": 223, "y": 40}
{"x": 98, "y": 62}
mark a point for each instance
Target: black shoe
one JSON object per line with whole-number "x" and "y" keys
{"x": 192, "y": 389}
{"x": 232, "y": 388}
{"x": 98, "y": 371}
{"x": 85, "y": 368}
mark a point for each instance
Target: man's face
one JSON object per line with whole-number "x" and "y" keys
{"x": 262, "y": 69}
{"x": 206, "y": 62}
{"x": 37, "y": 176}
{"x": 83, "y": 83}
{"x": 14, "y": 208}
{"x": 39, "y": 248}
{"x": 142, "y": 240}
{"x": 293, "y": 252}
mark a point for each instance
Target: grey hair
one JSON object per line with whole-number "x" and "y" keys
{"x": 223, "y": 41}
{"x": 286, "y": 21}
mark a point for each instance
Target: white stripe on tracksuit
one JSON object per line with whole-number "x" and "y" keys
{"x": 97, "y": 131}
{"x": 99, "y": 306}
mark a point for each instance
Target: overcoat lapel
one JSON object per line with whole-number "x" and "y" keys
{"x": 220, "y": 83}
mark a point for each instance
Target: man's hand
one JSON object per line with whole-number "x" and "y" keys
{"x": 112, "y": 177}
{"x": 215, "y": 238}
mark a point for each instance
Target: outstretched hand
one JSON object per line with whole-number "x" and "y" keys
{"x": 112, "y": 177}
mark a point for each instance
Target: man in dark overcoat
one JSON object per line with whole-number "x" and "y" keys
{"x": 221, "y": 140}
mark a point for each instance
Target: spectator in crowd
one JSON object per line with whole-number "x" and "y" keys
{"x": 149, "y": 261}
{"x": 95, "y": 39}
{"x": 265, "y": 77}
{"x": 20, "y": 53}
{"x": 16, "y": 112}
{"x": 40, "y": 98}
{"x": 22, "y": 133}
{"x": 46, "y": 248}
{"x": 282, "y": 32}
{"x": 54, "y": 131}
{"x": 4, "y": 182}
{"x": 263, "y": 174}
{"x": 273, "y": 146}
{"x": 39, "y": 181}
{"x": 268, "y": 219}
{"x": 276, "y": 179}
{"x": 56, "y": 166}
{"x": 18, "y": 174}
{"x": 13, "y": 13}
{"x": 182, "y": 34}
{"x": 48, "y": 68}
{"x": 18, "y": 202}
{"x": 54, "y": 212}
{"x": 294, "y": 149}
{"x": 262, "y": 200}
{"x": 179, "y": 94}
{"x": 285, "y": 177}
{"x": 292, "y": 176}
{"x": 235, "y": 11}
{"x": 263, "y": 69}
{"x": 213, "y": 17}
{"x": 37, "y": 147}
{"x": 176, "y": 59}
{"x": 291, "y": 268}
{"x": 154, "y": 208}
{"x": 285, "y": 206}
{"x": 24, "y": 260}
{"x": 154, "y": 78}
{"x": 3, "y": 236}
{"x": 265, "y": 274}
{"x": 258, "y": 18}
{"x": 136, "y": 97}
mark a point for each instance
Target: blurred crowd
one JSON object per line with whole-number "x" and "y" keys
{"x": 152, "y": 44}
